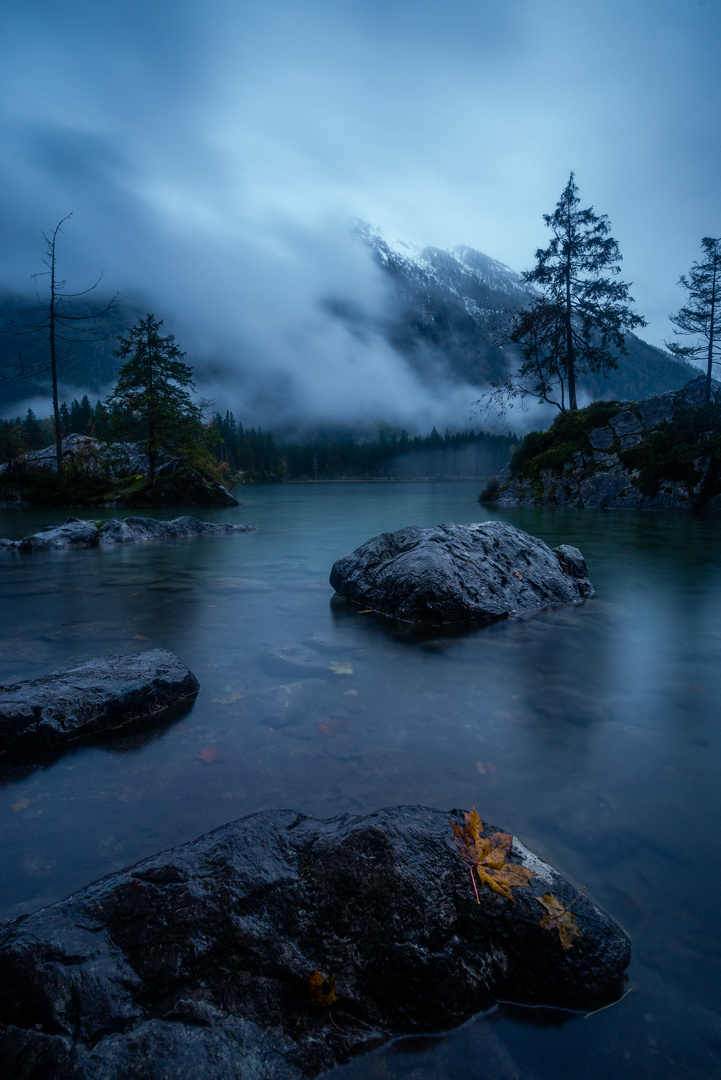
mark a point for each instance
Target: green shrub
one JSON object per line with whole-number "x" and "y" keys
{"x": 569, "y": 432}
{"x": 669, "y": 452}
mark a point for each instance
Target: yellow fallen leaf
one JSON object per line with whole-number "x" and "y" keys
{"x": 138, "y": 637}
{"x": 228, "y": 699}
{"x": 21, "y": 804}
{"x": 487, "y": 856}
{"x": 559, "y": 918}
{"x": 350, "y": 693}
{"x": 484, "y": 767}
{"x": 340, "y": 668}
{"x": 322, "y": 990}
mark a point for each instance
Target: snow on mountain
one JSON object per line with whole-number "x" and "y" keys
{"x": 448, "y": 307}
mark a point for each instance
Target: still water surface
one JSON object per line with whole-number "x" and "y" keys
{"x": 593, "y": 733}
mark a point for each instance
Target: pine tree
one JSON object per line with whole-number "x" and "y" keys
{"x": 152, "y": 399}
{"x": 701, "y": 316}
{"x": 579, "y": 322}
{"x": 31, "y": 427}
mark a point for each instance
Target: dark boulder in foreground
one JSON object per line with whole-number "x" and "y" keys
{"x": 277, "y": 946}
{"x": 77, "y": 533}
{"x": 451, "y": 573}
{"x": 103, "y": 694}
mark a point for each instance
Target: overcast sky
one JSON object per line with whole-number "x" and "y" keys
{"x": 211, "y": 153}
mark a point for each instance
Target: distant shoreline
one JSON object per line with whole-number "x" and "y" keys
{"x": 381, "y": 480}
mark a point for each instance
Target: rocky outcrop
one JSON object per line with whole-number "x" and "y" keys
{"x": 277, "y": 946}
{"x": 177, "y": 482}
{"x": 76, "y": 533}
{"x": 101, "y": 695}
{"x": 605, "y": 474}
{"x": 475, "y": 573}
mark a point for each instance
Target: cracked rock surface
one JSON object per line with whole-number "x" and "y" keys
{"x": 450, "y": 573}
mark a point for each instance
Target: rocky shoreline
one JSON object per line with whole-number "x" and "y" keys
{"x": 633, "y": 461}
{"x": 108, "y": 474}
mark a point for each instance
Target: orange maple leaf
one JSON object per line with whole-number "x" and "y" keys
{"x": 488, "y": 854}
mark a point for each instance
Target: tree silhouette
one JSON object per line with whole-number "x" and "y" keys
{"x": 60, "y": 315}
{"x": 701, "y": 315}
{"x": 577, "y": 324}
{"x": 151, "y": 400}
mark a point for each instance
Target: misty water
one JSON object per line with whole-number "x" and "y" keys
{"x": 591, "y": 732}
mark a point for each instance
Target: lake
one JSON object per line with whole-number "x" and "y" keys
{"x": 592, "y": 732}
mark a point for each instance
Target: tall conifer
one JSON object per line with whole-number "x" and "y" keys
{"x": 701, "y": 315}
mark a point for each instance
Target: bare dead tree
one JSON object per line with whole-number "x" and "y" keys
{"x": 61, "y": 317}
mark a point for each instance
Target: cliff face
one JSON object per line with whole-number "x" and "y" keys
{"x": 663, "y": 453}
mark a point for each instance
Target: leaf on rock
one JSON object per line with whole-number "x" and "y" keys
{"x": 322, "y": 990}
{"x": 559, "y": 918}
{"x": 488, "y": 855}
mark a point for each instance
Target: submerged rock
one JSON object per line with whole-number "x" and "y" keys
{"x": 277, "y": 946}
{"x": 475, "y": 573}
{"x": 75, "y": 532}
{"x": 109, "y": 692}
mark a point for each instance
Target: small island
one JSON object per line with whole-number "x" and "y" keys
{"x": 663, "y": 453}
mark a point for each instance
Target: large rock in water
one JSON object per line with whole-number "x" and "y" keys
{"x": 460, "y": 574}
{"x": 76, "y": 533}
{"x": 110, "y": 692}
{"x": 200, "y": 961}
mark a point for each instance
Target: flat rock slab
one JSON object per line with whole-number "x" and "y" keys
{"x": 77, "y": 533}
{"x": 109, "y": 692}
{"x": 196, "y": 962}
{"x": 475, "y": 573}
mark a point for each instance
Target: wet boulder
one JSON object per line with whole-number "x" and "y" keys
{"x": 73, "y": 533}
{"x": 100, "y": 695}
{"x": 474, "y": 573}
{"x": 78, "y": 533}
{"x": 278, "y": 945}
{"x": 132, "y": 529}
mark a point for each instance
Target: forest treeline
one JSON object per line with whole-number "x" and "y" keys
{"x": 258, "y": 457}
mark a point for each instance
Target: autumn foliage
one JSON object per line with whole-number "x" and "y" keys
{"x": 487, "y": 855}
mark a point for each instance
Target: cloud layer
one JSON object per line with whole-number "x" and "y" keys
{"x": 212, "y": 158}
